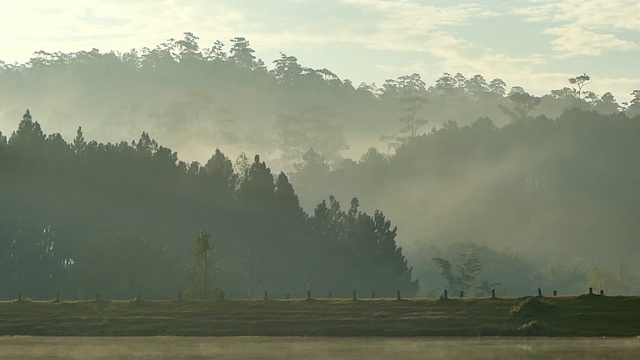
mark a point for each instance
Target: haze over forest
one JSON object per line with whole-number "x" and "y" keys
{"x": 300, "y": 176}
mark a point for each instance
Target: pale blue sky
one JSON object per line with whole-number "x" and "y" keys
{"x": 536, "y": 44}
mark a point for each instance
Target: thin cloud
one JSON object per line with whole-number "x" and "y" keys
{"x": 575, "y": 41}
{"x": 411, "y": 17}
{"x": 118, "y": 25}
{"x": 409, "y": 26}
{"x": 586, "y": 27}
{"x": 587, "y": 13}
{"x": 414, "y": 67}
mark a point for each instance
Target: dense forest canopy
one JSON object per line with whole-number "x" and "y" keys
{"x": 195, "y": 97}
{"x": 552, "y": 190}
{"x": 542, "y": 189}
{"x": 119, "y": 219}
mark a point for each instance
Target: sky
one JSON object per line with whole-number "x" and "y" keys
{"x": 536, "y": 44}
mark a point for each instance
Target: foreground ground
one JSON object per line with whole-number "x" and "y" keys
{"x": 315, "y": 348}
{"x": 585, "y": 315}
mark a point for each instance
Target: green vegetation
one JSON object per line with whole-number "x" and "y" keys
{"x": 465, "y": 272}
{"x": 543, "y": 188}
{"x": 539, "y": 193}
{"x": 585, "y": 315}
{"x": 200, "y": 280}
{"x": 84, "y": 217}
{"x": 194, "y": 96}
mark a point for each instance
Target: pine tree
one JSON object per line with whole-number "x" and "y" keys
{"x": 79, "y": 145}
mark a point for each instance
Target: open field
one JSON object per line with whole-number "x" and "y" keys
{"x": 585, "y": 315}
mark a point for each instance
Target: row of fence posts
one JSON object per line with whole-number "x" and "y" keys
{"x": 329, "y": 295}
{"x": 445, "y": 295}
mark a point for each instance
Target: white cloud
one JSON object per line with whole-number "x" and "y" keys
{"x": 575, "y": 41}
{"x": 71, "y": 25}
{"x": 411, "y": 18}
{"x": 116, "y": 24}
{"x": 587, "y": 27}
{"x": 408, "y": 26}
{"x": 619, "y": 14}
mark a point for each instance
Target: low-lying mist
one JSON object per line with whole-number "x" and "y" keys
{"x": 544, "y": 188}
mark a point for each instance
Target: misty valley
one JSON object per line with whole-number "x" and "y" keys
{"x": 205, "y": 173}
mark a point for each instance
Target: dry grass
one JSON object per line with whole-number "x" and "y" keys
{"x": 558, "y": 316}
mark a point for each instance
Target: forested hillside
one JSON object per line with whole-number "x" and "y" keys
{"x": 83, "y": 218}
{"x": 196, "y": 97}
{"x": 541, "y": 189}
{"x": 550, "y": 190}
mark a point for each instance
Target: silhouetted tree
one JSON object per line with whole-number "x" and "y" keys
{"x": 523, "y": 104}
{"x": 580, "y": 81}
{"x": 241, "y": 53}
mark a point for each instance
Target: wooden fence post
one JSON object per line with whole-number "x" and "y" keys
{"x": 493, "y": 293}
{"x": 308, "y": 294}
{"x": 446, "y": 295}
{"x": 398, "y": 295}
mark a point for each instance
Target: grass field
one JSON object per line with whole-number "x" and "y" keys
{"x": 585, "y": 315}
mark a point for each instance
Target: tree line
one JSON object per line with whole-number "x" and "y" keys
{"x": 191, "y": 95}
{"x": 119, "y": 219}
{"x": 541, "y": 193}
{"x": 462, "y": 160}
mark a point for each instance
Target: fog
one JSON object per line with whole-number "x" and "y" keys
{"x": 543, "y": 188}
